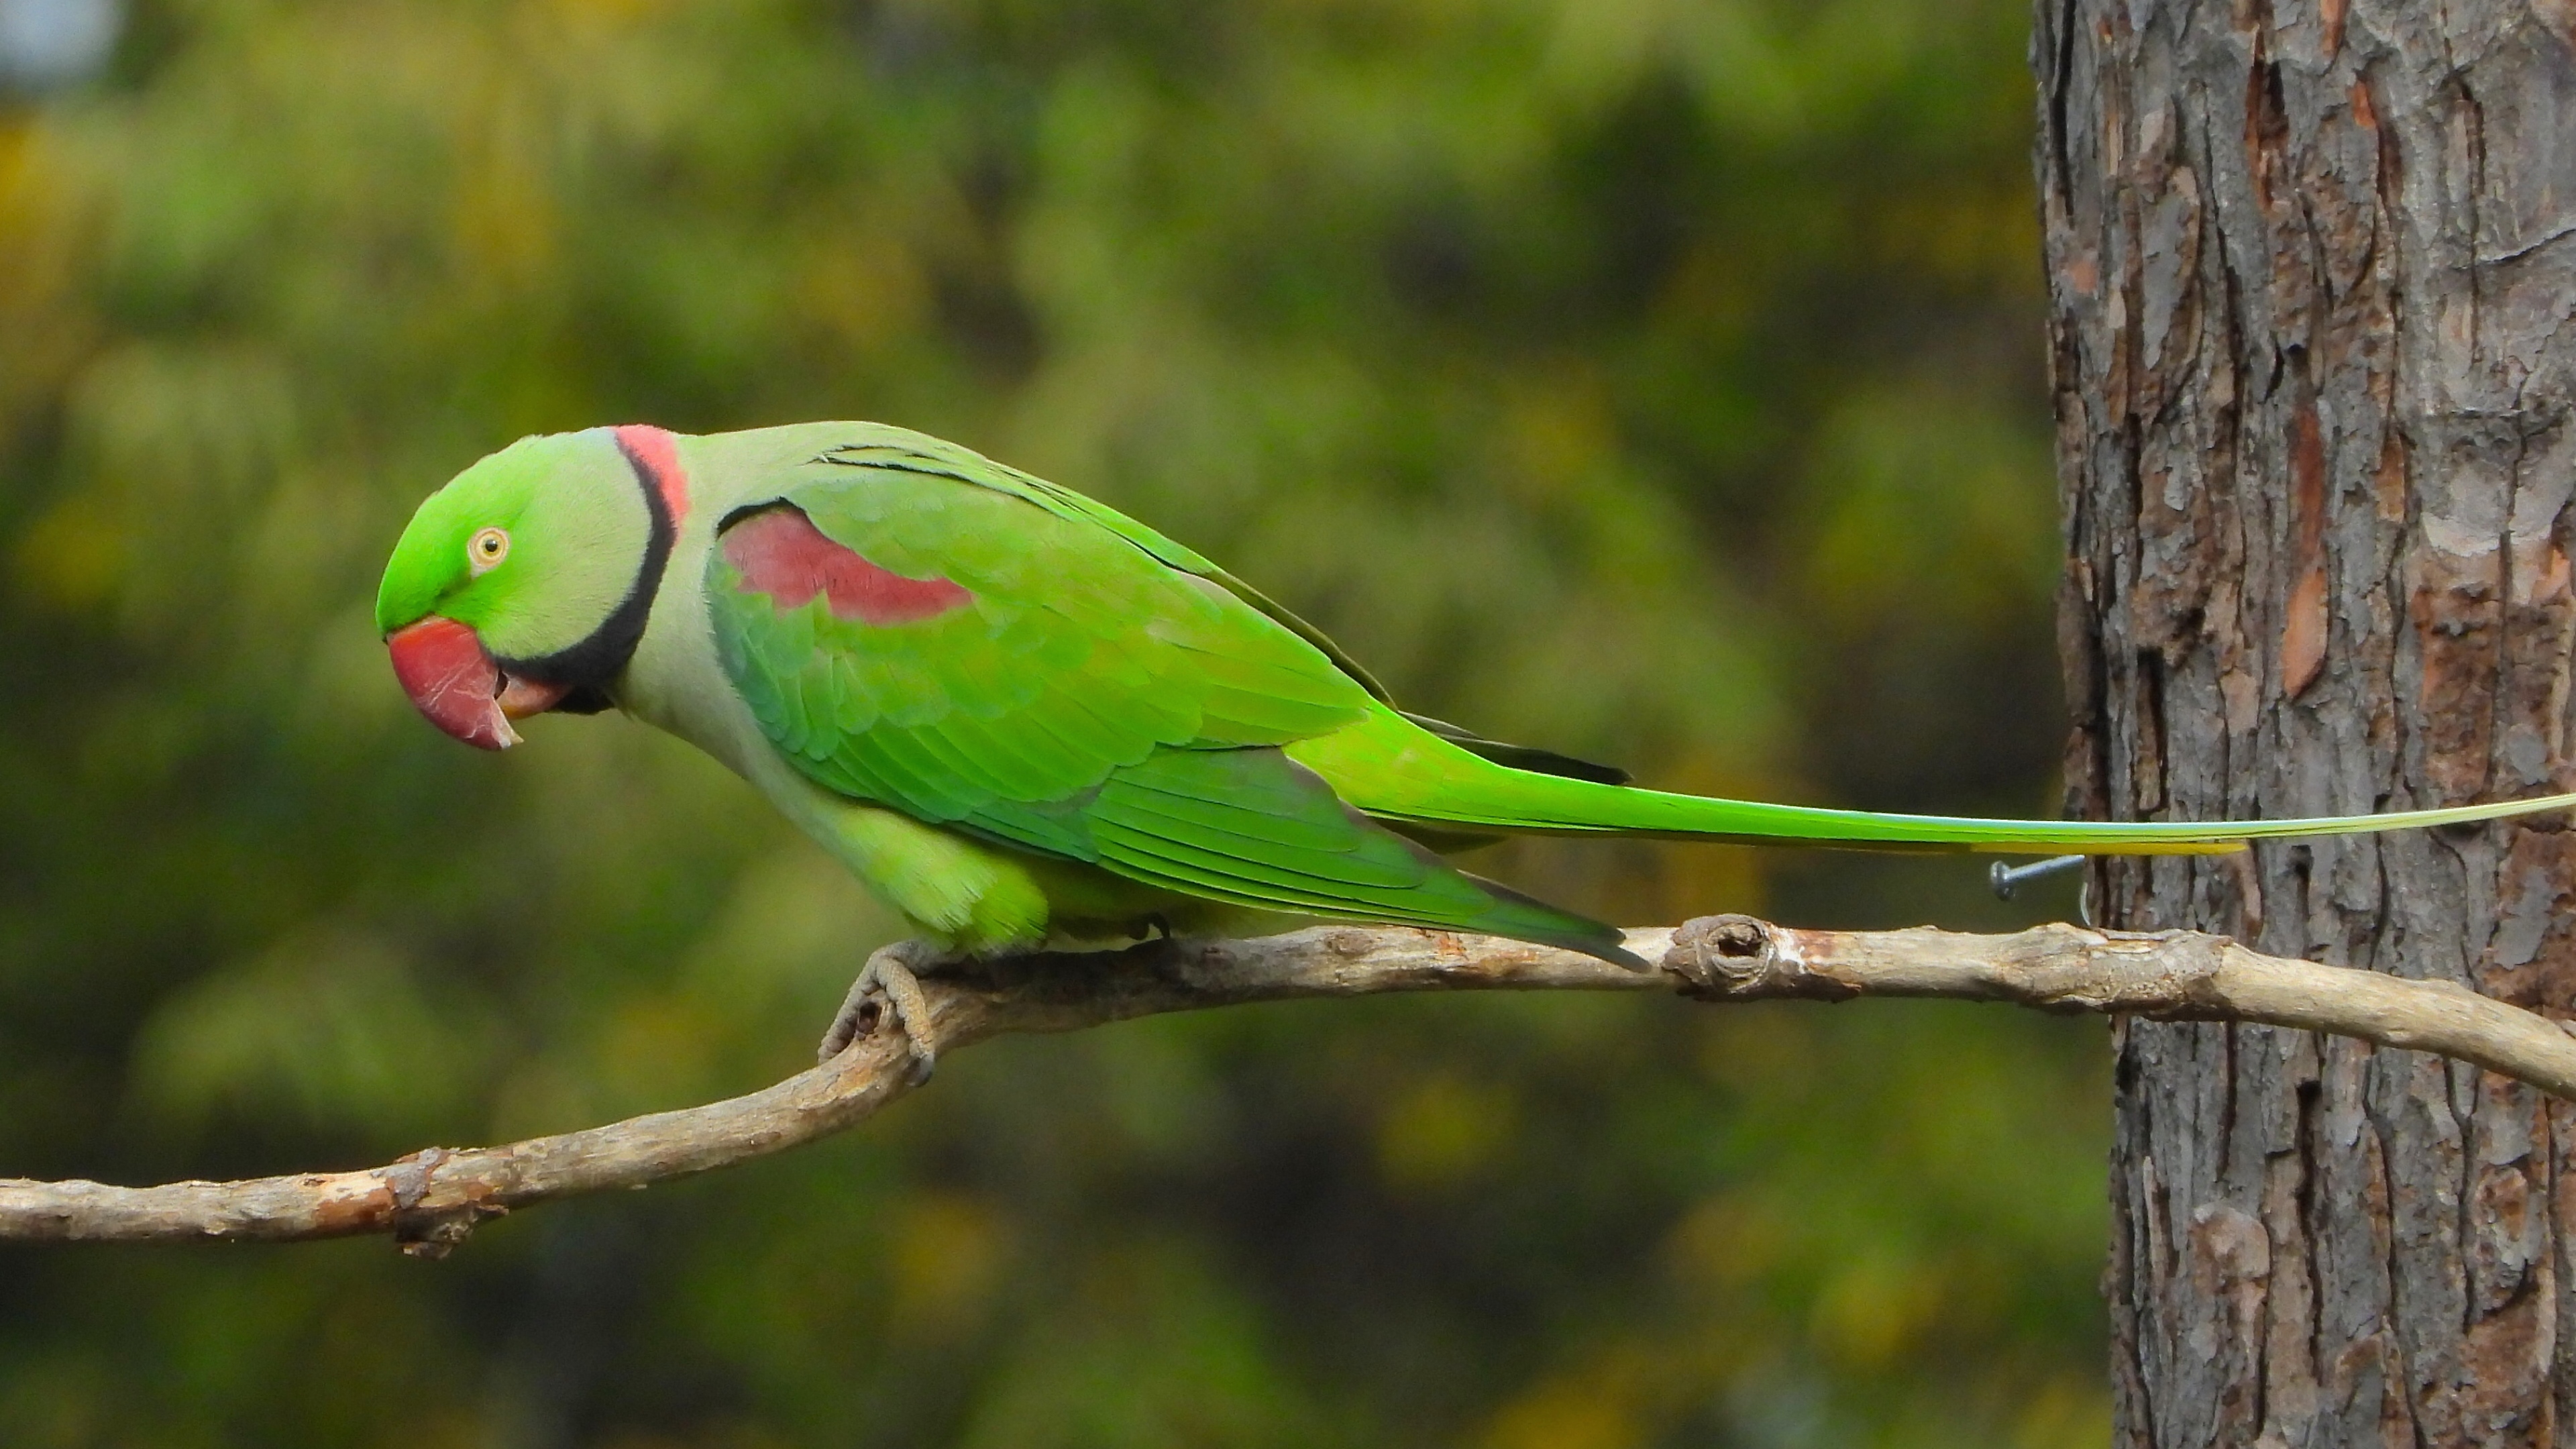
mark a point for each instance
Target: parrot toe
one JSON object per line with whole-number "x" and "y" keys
{"x": 889, "y": 985}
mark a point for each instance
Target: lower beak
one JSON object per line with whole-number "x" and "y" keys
{"x": 455, "y": 684}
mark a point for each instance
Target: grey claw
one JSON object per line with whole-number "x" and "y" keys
{"x": 889, "y": 974}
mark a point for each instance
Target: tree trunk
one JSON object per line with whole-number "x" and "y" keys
{"x": 2312, "y": 275}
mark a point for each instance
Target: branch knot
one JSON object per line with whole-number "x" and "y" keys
{"x": 1733, "y": 957}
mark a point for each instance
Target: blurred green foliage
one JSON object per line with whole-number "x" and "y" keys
{"x": 1654, "y": 379}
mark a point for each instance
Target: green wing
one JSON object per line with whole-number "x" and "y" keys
{"x": 1099, "y": 695}
{"x": 934, "y": 457}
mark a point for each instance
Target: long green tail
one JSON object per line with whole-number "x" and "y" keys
{"x": 1394, "y": 770}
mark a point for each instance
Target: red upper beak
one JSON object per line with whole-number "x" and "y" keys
{"x": 451, "y": 677}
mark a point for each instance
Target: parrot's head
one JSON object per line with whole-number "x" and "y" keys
{"x": 523, "y": 585}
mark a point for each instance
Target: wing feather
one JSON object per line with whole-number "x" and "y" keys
{"x": 1077, "y": 687}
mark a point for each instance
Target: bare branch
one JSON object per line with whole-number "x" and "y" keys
{"x": 432, "y": 1199}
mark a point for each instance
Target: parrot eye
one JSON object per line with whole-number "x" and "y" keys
{"x": 487, "y": 548}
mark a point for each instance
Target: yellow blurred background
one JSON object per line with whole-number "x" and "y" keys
{"x": 1656, "y": 380}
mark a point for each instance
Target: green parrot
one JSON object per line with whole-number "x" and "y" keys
{"x": 1019, "y": 715}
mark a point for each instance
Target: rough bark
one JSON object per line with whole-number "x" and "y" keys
{"x": 2310, "y": 272}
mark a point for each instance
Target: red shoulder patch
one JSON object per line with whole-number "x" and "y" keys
{"x": 780, "y": 552}
{"x": 656, "y": 454}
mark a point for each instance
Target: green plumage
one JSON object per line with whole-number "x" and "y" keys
{"x": 1031, "y": 713}
{"x": 1099, "y": 700}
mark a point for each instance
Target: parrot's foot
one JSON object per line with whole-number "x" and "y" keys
{"x": 888, "y": 986}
